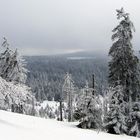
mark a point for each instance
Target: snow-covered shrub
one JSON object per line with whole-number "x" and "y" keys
{"x": 116, "y": 119}
{"x": 88, "y": 110}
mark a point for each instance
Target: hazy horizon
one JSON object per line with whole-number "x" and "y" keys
{"x": 57, "y": 27}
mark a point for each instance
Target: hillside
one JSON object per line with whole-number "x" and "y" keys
{"x": 21, "y": 127}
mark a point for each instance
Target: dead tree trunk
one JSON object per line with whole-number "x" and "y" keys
{"x": 93, "y": 84}
{"x": 61, "y": 115}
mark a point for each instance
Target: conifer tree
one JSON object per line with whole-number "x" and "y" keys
{"x": 124, "y": 67}
{"x": 13, "y": 77}
{"x": 88, "y": 109}
{"x": 68, "y": 89}
{"x": 115, "y": 119}
{"x": 12, "y": 67}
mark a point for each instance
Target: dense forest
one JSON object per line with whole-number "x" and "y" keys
{"x": 46, "y": 73}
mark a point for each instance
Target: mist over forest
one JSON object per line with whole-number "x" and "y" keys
{"x": 46, "y": 73}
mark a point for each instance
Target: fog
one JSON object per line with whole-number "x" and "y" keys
{"x": 42, "y": 27}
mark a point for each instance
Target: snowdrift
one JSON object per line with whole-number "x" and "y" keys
{"x": 15, "y": 126}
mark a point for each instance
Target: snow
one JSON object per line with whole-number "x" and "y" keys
{"x": 52, "y": 104}
{"x": 15, "y": 126}
{"x": 51, "y": 109}
{"x": 15, "y": 93}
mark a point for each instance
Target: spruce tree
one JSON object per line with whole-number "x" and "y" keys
{"x": 124, "y": 70}
{"x": 88, "y": 110}
{"x": 115, "y": 118}
{"x": 123, "y": 66}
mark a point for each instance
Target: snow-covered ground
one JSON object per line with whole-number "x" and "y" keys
{"x": 52, "y": 104}
{"x": 22, "y": 127}
{"x": 51, "y": 109}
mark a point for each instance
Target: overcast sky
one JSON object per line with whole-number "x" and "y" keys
{"x": 39, "y": 27}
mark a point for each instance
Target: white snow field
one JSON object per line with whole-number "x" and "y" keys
{"x": 15, "y": 126}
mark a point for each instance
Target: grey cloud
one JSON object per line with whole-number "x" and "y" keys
{"x": 55, "y": 26}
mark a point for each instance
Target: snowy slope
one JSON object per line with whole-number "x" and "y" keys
{"x": 21, "y": 127}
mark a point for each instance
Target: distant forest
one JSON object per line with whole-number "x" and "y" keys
{"x": 46, "y": 73}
